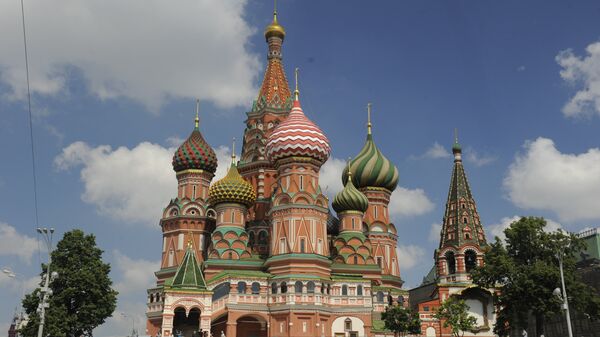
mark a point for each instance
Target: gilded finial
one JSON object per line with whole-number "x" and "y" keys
{"x": 455, "y": 135}
{"x": 190, "y": 243}
{"x": 197, "y": 119}
{"x": 369, "y": 118}
{"x": 296, "y": 92}
{"x": 349, "y": 170}
{"x": 233, "y": 151}
{"x": 274, "y": 10}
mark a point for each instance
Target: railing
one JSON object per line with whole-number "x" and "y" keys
{"x": 588, "y": 232}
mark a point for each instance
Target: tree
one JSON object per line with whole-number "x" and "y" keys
{"x": 525, "y": 269}
{"x": 82, "y": 297}
{"x": 454, "y": 312}
{"x": 401, "y": 320}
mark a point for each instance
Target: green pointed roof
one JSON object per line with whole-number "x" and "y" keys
{"x": 188, "y": 274}
{"x": 350, "y": 199}
{"x": 370, "y": 168}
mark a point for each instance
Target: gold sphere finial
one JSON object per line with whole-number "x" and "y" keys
{"x": 274, "y": 29}
{"x": 369, "y": 125}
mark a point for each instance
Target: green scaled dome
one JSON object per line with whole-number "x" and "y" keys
{"x": 370, "y": 168}
{"x": 350, "y": 199}
{"x": 195, "y": 154}
{"x": 232, "y": 188}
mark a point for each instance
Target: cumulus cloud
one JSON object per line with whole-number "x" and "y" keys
{"x": 135, "y": 274}
{"x": 478, "y": 159}
{"x": 132, "y": 185}
{"x": 497, "y": 229}
{"x": 437, "y": 151}
{"x": 409, "y": 256}
{"x": 584, "y": 73}
{"x": 330, "y": 176}
{"x": 12, "y": 243}
{"x": 434, "y": 232}
{"x": 409, "y": 202}
{"x": 543, "y": 178}
{"x": 148, "y": 51}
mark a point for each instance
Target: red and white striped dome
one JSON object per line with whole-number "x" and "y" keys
{"x": 298, "y": 136}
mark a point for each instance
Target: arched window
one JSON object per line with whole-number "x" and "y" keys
{"x": 323, "y": 288}
{"x": 302, "y": 245}
{"x": 273, "y": 288}
{"x": 241, "y": 287}
{"x": 344, "y": 290}
{"x": 380, "y": 296}
{"x": 256, "y": 288}
{"x": 451, "y": 261}
{"x": 151, "y": 298}
{"x": 355, "y": 259}
{"x": 298, "y": 287}
{"x": 390, "y": 299}
{"x": 262, "y": 237}
{"x": 221, "y": 290}
{"x": 310, "y": 287}
{"x": 470, "y": 260}
{"x": 283, "y": 287}
{"x": 359, "y": 290}
{"x": 251, "y": 238}
{"x": 329, "y": 289}
{"x": 347, "y": 324}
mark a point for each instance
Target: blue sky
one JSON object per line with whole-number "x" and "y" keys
{"x": 520, "y": 80}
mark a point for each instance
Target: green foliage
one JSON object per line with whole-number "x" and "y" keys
{"x": 454, "y": 312}
{"x": 82, "y": 295}
{"x": 401, "y": 320}
{"x": 525, "y": 268}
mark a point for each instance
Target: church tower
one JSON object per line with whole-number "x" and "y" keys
{"x": 270, "y": 108}
{"x": 462, "y": 237}
{"x": 297, "y": 148}
{"x": 375, "y": 176}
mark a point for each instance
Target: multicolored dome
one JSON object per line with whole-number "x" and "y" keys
{"x": 195, "y": 153}
{"x": 298, "y": 136}
{"x": 371, "y": 168}
{"x": 232, "y": 188}
{"x": 350, "y": 199}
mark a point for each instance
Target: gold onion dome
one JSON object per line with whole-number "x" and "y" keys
{"x": 370, "y": 168}
{"x": 232, "y": 188}
{"x": 274, "y": 29}
{"x": 350, "y": 199}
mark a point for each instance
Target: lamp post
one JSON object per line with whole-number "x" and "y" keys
{"x": 133, "y": 332}
{"x": 563, "y": 295}
{"x": 46, "y": 292}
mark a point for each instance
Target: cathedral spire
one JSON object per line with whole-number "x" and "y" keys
{"x": 296, "y": 91}
{"x": 369, "y": 125}
{"x": 197, "y": 119}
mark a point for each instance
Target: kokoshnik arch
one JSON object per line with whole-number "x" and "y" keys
{"x": 258, "y": 253}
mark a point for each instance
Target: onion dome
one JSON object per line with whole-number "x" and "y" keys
{"x": 456, "y": 148}
{"x": 274, "y": 29}
{"x": 297, "y": 136}
{"x": 195, "y": 153}
{"x": 232, "y": 188}
{"x": 350, "y": 199}
{"x": 333, "y": 224}
{"x": 370, "y": 168}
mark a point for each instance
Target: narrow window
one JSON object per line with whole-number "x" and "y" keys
{"x": 355, "y": 259}
{"x": 303, "y": 326}
{"x": 379, "y": 261}
{"x": 298, "y": 287}
{"x": 164, "y": 244}
{"x": 171, "y": 256}
{"x": 241, "y": 287}
{"x": 255, "y": 288}
{"x": 310, "y": 287}
{"x": 180, "y": 238}
{"x": 273, "y": 288}
{"x": 359, "y": 290}
{"x": 302, "y": 243}
{"x": 194, "y": 192}
{"x": 347, "y": 324}
{"x": 375, "y": 211}
{"x": 232, "y": 216}
{"x": 320, "y": 246}
{"x": 353, "y": 223}
{"x": 344, "y": 290}
{"x": 301, "y": 183}
{"x": 282, "y": 246}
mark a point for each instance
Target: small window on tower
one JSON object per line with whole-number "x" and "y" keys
{"x": 353, "y": 223}
{"x": 232, "y": 216}
{"x": 301, "y": 183}
{"x": 379, "y": 261}
{"x": 194, "y": 192}
{"x": 355, "y": 259}
{"x": 302, "y": 245}
{"x": 375, "y": 211}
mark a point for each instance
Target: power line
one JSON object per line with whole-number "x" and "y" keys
{"x": 35, "y": 197}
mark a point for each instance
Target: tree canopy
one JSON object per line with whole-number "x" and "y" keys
{"x": 401, "y": 320}
{"x": 525, "y": 269}
{"x": 454, "y": 312}
{"x": 82, "y": 296}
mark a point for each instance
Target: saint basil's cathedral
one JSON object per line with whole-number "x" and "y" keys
{"x": 259, "y": 253}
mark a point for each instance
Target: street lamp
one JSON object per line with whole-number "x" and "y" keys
{"x": 133, "y": 332}
{"x": 563, "y": 295}
{"x": 50, "y": 276}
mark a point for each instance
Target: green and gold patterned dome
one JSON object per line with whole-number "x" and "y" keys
{"x": 232, "y": 188}
{"x": 350, "y": 199}
{"x": 370, "y": 168}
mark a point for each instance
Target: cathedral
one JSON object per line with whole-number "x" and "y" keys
{"x": 259, "y": 253}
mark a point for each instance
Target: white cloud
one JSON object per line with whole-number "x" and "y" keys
{"x": 12, "y": 243}
{"x": 409, "y": 202}
{"x": 583, "y": 71}
{"x": 478, "y": 159}
{"x": 330, "y": 176}
{"x": 128, "y": 313}
{"x": 437, "y": 151}
{"x": 545, "y": 179}
{"x": 135, "y": 275}
{"x": 498, "y": 228}
{"x": 132, "y": 185}
{"x": 148, "y": 51}
{"x": 409, "y": 256}
{"x": 434, "y": 232}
